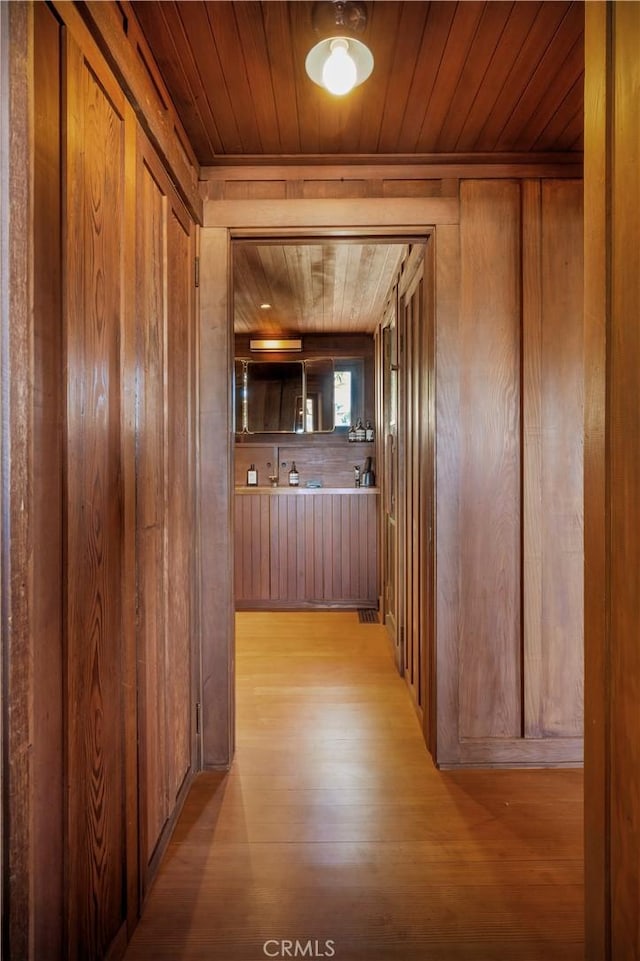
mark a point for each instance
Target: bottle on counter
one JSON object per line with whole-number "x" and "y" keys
{"x": 369, "y": 432}
{"x": 294, "y": 477}
{"x": 356, "y": 475}
{"x": 352, "y": 434}
{"x": 252, "y": 476}
{"x": 360, "y": 431}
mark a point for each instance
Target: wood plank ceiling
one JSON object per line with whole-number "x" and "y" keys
{"x": 450, "y": 79}
{"x": 312, "y": 288}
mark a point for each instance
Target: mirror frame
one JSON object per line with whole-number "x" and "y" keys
{"x": 242, "y": 399}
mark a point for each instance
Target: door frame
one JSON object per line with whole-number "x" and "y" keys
{"x": 297, "y": 221}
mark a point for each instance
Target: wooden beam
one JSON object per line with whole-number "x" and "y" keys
{"x": 274, "y": 215}
{"x": 393, "y": 167}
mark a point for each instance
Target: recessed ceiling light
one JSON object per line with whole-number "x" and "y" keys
{"x": 265, "y": 306}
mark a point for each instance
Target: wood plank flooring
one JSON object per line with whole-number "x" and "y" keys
{"x": 334, "y": 830}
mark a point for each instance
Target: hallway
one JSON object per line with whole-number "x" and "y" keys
{"x": 334, "y": 827}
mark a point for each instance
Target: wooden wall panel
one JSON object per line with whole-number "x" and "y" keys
{"x": 180, "y": 592}
{"x": 151, "y": 483}
{"x": 263, "y": 456}
{"x": 415, "y": 427}
{"x": 489, "y": 678}
{"x": 95, "y": 240}
{"x": 447, "y": 472}
{"x": 252, "y": 548}
{"x": 333, "y": 465}
{"x": 612, "y": 480}
{"x": 47, "y": 521}
{"x": 165, "y": 501}
{"x": 508, "y": 511}
{"x": 553, "y": 459}
{"x": 623, "y": 468}
{"x": 216, "y": 498}
{"x": 597, "y": 240}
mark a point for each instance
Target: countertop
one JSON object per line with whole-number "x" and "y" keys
{"x": 267, "y": 489}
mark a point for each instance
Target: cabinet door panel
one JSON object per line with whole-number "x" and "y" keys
{"x": 95, "y": 241}
{"x": 295, "y": 549}
{"x": 164, "y": 500}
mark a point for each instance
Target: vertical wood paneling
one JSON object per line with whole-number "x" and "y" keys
{"x": 532, "y": 453}
{"x": 489, "y": 678}
{"x": 612, "y": 479}
{"x": 47, "y": 521}
{"x": 150, "y": 500}
{"x": 597, "y": 239}
{"x": 164, "y": 498}
{"x": 447, "y": 472}
{"x": 552, "y": 459}
{"x": 252, "y": 541}
{"x": 94, "y": 235}
{"x": 215, "y": 498}
{"x": 623, "y": 431}
{"x": 415, "y": 424}
{"x": 305, "y": 549}
{"x": 180, "y": 490}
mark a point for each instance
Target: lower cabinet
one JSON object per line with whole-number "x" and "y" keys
{"x": 306, "y": 548}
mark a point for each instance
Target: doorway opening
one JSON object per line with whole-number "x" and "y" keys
{"x": 354, "y": 531}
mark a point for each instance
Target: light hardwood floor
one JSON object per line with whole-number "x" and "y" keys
{"x": 334, "y": 827}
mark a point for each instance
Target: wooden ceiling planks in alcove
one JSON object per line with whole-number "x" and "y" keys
{"x": 312, "y": 288}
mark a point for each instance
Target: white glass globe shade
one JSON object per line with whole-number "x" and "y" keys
{"x": 356, "y": 52}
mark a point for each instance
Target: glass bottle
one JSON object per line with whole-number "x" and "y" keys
{"x": 294, "y": 477}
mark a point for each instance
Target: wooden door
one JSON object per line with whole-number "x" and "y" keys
{"x": 415, "y": 427}
{"x": 164, "y": 499}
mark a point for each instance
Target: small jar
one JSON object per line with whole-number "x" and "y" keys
{"x": 368, "y": 431}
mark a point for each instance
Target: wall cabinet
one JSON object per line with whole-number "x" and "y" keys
{"x": 306, "y": 548}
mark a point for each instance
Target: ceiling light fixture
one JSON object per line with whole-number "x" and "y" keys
{"x": 340, "y": 62}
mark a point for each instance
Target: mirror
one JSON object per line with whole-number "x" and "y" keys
{"x": 274, "y": 392}
{"x": 285, "y": 396}
{"x": 319, "y": 390}
{"x": 239, "y": 396}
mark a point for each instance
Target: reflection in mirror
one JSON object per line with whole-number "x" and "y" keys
{"x": 319, "y": 415}
{"x": 240, "y": 396}
{"x": 273, "y": 396}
